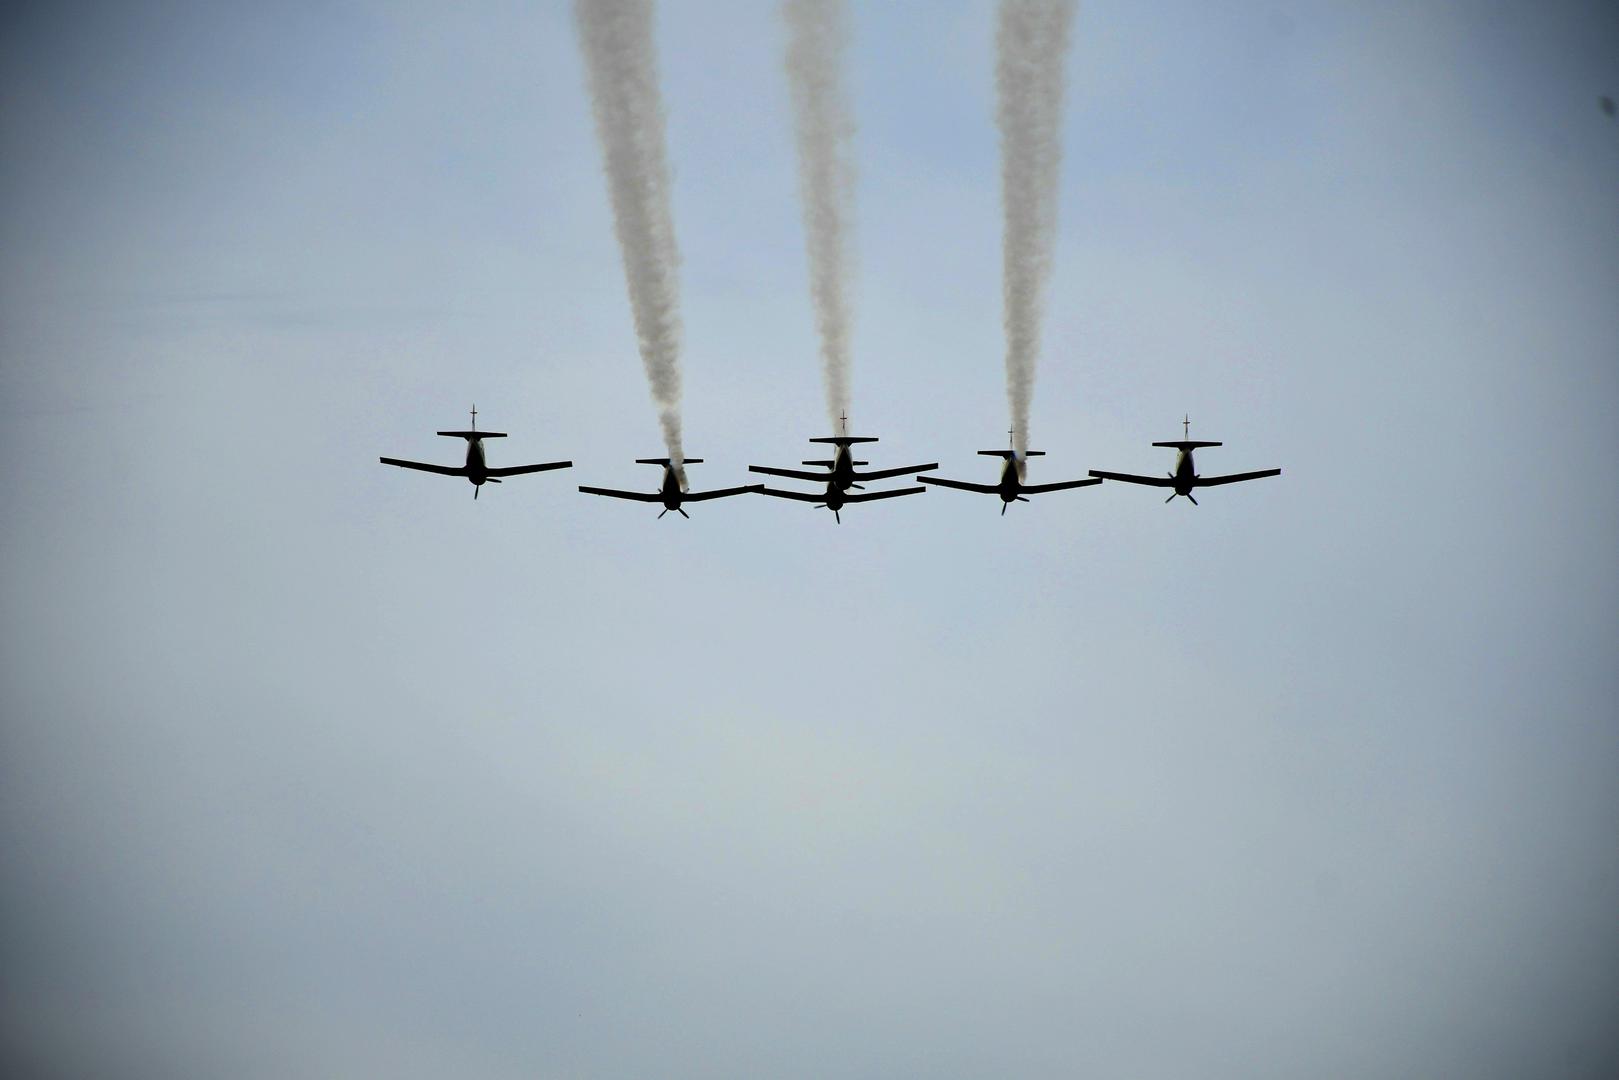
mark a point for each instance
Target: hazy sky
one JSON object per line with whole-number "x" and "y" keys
{"x": 315, "y": 768}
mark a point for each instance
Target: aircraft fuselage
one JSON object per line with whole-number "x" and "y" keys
{"x": 672, "y": 491}
{"x": 477, "y": 467}
{"x": 843, "y": 469}
{"x": 1184, "y": 475}
{"x": 1011, "y": 481}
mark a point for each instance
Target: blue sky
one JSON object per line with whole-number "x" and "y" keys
{"x": 312, "y": 767}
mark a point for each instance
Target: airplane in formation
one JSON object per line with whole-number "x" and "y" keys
{"x": 1011, "y": 489}
{"x": 842, "y": 471}
{"x": 1185, "y": 477}
{"x": 841, "y": 474}
{"x": 672, "y": 492}
{"x": 476, "y": 469}
{"x": 834, "y": 499}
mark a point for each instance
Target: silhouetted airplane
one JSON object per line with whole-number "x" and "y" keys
{"x": 1011, "y": 488}
{"x": 1185, "y": 478}
{"x": 475, "y": 469}
{"x": 673, "y": 491}
{"x": 841, "y": 470}
{"x": 833, "y": 499}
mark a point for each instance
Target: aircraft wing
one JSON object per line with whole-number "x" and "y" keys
{"x": 884, "y": 474}
{"x": 801, "y": 496}
{"x": 518, "y": 470}
{"x": 638, "y": 496}
{"x": 867, "y": 496}
{"x": 720, "y": 493}
{"x": 442, "y": 470}
{"x": 793, "y": 474}
{"x": 1035, "y": 489}
{"x": 987, "y": 489}
{"x": 1216, "y": 481}
{"x": 1150, "y": 481}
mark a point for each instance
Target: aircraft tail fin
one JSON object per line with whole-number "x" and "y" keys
{"x": 665, "y": 461}
{"x": 1186, "y": 444}
{"x": 474, "y": 435}
{"x": 844, "y": 440}
{"x": 1009, "y": 454}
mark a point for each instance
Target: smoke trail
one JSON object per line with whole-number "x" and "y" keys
{"x": 818, "y": 34}
{"x": 1031, "y": 42}
{"x": 616, "y": 37}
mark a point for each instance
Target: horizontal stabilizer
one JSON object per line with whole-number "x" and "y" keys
{"x": 844, "y": 440}
{"x": 827, "y": 464}
{"x": 1009, "y": 454}
{"x": 474, "y": 434}
{"x": 665, "y": 461}
{"x": 1183, "y": 445}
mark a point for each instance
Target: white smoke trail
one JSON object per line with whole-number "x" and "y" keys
{"x": 818, "y": 36}
{"x": 616, "y": 37}
{"x": 1031, "y": 42}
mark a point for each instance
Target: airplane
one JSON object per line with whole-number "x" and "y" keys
{"x": 1011, "y": 489}
{"x": 842, "y": 469}
{"x": 476, "y": 470}
{"x": 1184, "y": 478}
{"x": 672, "y": 492}
{"x": 834, "y": 499}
